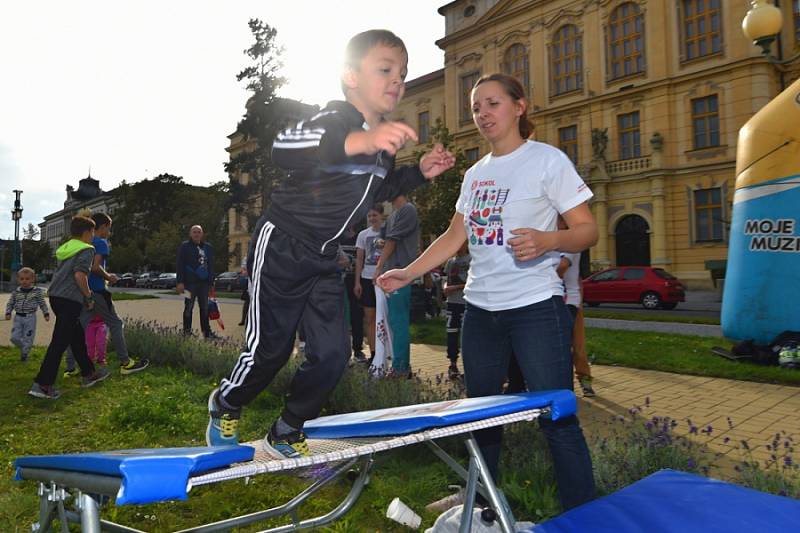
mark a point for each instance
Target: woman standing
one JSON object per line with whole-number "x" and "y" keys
{"x": 507, "y": 211}
{"x": 369, "y": 246}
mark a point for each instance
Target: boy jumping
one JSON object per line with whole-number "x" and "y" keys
{"x": 339, "y": 163}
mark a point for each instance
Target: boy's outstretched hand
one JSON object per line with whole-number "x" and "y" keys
{"x": 393, "y": 280}
{"x": 388, "y": 136}
{"x": 436, "y": 161}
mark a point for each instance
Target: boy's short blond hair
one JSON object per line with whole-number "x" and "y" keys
{"x": 361, "y": 43}
{"x": 26, "y": 270}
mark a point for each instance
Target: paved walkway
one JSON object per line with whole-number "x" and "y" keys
{"x": 678, "y": 328}
{"x": 757, "y": 411}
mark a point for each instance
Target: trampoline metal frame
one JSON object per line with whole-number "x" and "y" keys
{"x": 92, "y": 491}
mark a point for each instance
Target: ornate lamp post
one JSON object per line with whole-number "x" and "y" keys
{"x": 16, "y": 253}
{"x": 762, "y": 24}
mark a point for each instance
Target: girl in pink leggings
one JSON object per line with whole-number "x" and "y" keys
{"x": 96, "y": 334}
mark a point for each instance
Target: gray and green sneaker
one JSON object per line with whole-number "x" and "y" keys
{"x": 789, "y": 356}
{"x": 290, "y": 446}
{"x": 223, "y": 423}
{"x": 133, "y": 366}
{"x": 48, "y": 392}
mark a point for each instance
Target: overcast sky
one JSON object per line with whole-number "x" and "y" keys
{"x": 134, "y": 89}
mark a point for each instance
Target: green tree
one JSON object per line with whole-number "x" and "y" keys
{"x": 436, "y": 201}
{"x": 266, "y": 114}
{"x": 37, "y": 255}
{"x": 155, "y": 216}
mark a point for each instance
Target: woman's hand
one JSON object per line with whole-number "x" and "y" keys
{"x": 394, "y": 279}
{"x": 530, "y": 243}
{"x": 357, "y": 290}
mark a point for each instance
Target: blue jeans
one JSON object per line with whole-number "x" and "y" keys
{"x": 539, "y": 335}
{"x": 399, "y": 304}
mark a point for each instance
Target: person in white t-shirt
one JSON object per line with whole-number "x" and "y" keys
{"x": 507, "y": 210}
{"x": 369, "y": 246}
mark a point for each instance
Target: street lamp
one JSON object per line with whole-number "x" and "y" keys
{"x": 762, "y": 24}
{"x": 16, "y": 253}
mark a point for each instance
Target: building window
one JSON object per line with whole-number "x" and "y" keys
{"x": 467, "y": 83}
{"x": 568, "y": 142}
{"x": 705, "y": 122}
{"x": 626, "y": 41}
{"x": 424, "y": 126}
{"x": 708, "y": 215}
{"x": 472, "y": 155}
{"x": 797, "y": 21}
{"x": 630, "y": 145}
{"x": 515, "y": 63}
{"x": 566, "y": 60}
{"x": 702, "y": 28}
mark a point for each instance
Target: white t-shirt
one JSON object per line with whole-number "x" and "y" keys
{"x": 572, "y": 281}
{"x": 527, "y": 188}
{"x": 366, "y": 241}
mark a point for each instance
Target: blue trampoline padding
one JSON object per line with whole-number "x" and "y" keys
{"x": 148, "y": 475}
{"x": 413, "y": 418}
{"x": 677, "y": 502}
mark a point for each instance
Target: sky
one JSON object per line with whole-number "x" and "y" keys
{"x": 131, "y": 89}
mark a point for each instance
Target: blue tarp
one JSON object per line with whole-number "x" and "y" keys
{"x": 677, "y": 502}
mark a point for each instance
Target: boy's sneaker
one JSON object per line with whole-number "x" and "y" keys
{"x": 99, "y": 375}
{"x": 133, "y": 366}
{"x": 290, "y": 446}
{"x": 48, "y": 392}
{"x": 75, "y": 372}
{"x": 586, "y": 386}
{"x": 223, "y": 424}
{"x": 359, "y": 356}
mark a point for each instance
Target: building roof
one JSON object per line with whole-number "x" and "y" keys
{"x": 422, "y": 80}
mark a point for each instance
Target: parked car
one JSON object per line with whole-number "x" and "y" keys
{"x": 167, "y": 280}
{"x": 230, "y": 282}
{"x": 146, "y": 280}
{"x": 126, "y": 280}
{"x": 651, "y": 287}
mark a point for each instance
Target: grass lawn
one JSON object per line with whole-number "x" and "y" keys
{"x": 120, "y": 296}
{"x": 682, "y": 354}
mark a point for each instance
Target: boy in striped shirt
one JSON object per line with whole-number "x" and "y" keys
{"x": 24, "y": 302}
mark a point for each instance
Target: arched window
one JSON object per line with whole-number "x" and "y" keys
{"x": 566, "y": 60}
{"x": 515, "y": 63}
{"x": 702, "y": 28}
{"x": 625, "y": 41}
{"x": 796, "y": 9}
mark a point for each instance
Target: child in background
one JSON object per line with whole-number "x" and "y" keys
{"x": 96, "y": 334}
{"x": 455, "y": 272}
{"x": 24, "y": 301}
{"x": 69, "y": 294}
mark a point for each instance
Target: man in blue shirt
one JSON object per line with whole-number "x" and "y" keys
{"x": 196, "y": 275}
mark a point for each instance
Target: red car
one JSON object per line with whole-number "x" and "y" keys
{"x": 651, "y": 287}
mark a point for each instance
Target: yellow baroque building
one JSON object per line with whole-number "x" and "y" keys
{"x": 645, "y": 96}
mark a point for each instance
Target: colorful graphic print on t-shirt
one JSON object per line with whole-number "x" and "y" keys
{"x": 485, "y": 219}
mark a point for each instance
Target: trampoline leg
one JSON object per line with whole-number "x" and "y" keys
{"x": 90, "y": 513}
{"x": 496, "y": 498}
{"x": 469, "y": 497}
{"x": 51, "y": 502}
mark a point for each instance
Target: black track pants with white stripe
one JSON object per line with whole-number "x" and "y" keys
{"x": 290, "y": 282}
